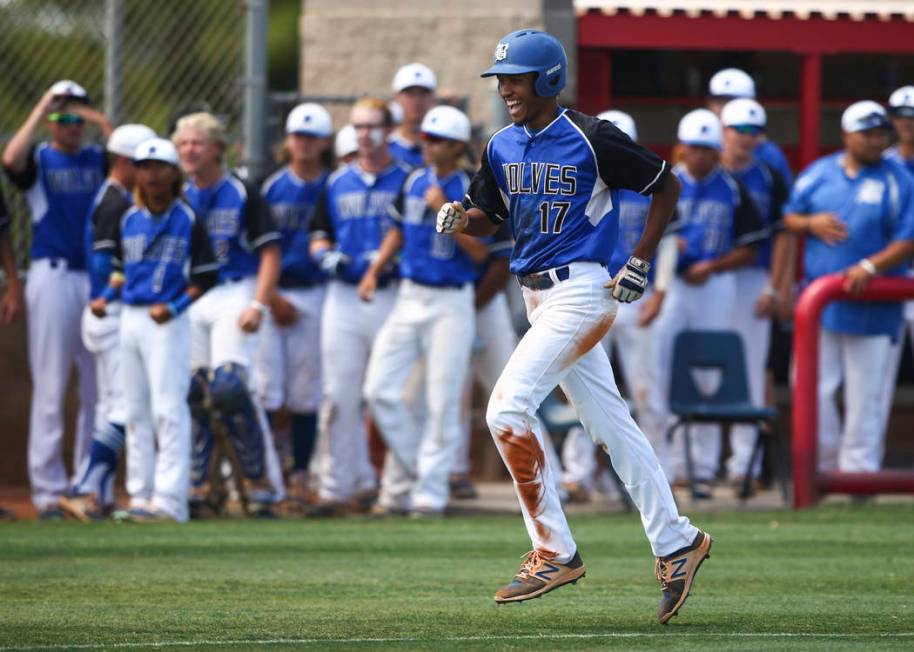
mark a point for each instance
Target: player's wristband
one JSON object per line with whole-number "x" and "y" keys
{"x": 110, "y": 294}
{"x": 868, "y": 265}
{"x": 180, "y": 304}
{"x": 259, "y": 307}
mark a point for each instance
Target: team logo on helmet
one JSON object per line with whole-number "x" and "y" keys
{"x": 501, "y": 51}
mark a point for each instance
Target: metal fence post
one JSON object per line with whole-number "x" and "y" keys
{"x": 114, "y": 22}
{"x": 255, "y": 86}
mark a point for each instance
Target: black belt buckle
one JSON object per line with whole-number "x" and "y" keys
{"x": 542, "y": 280}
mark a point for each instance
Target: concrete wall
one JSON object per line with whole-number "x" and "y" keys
{"x": 354, "y": 47}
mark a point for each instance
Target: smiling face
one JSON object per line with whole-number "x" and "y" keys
{"x": 524, "y": 105}
{"x": 199, "y": 155}
{"x": 699, "y": 160}
{"x": 740, "y": 143}
{"x": 157, "y": 181}
{"x": 904, "y": 127}
{"x": 866, "y": 146}
{"x": 305, "y": 148}
{"x": 441, "y": 151}
{"x": 371, "y": 130}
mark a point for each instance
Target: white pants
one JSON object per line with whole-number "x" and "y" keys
{"x": 55, "y": 298}
{"x": 755, "y": 333}
{"x": 434, "y": 325}
{"x": 859, "y": 362}
{"x": 155, "y": 373}
{"x": 288, "y": 364}
{"x": 633, "y": 344}
{"x": 216, "y": 339}
{"x": 101, "y": 337}
{"x": 349, "y": 327}
{"x": 891, "y": 378}
{"x": 567, "y": 322}
{"x": 691, "y": 307}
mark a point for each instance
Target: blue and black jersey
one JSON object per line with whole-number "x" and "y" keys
{"x": 238, "y": 223}
{"x": 404, "y": 151}
{"x": 59, "y": 189}
{"x": 162, "y": 255}
{"x": 111, "y": 202}
{"x": 353, "y": 212}
{"x": 559, "y": 188}
{"x": 768, "y": 191}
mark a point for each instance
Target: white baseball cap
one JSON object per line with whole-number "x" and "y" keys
{"x": 447, "y": 122}
{"x": 731, "y": 82}
{"x": 346, "y": 142}
{"x": 414, "y": 74}
{"x": 309, "y": 118}
{"x": 623, "y": 121}
{"x": 156, "y": 149}
{"x": 901, "y": 102}
{"x": 70, "y": 88}
{"x": 700, "y": 127}
{"x": 743, "y": 111}
{"x": 124, "y": 140}
{"x": 396, "y": 112}
{"x": 863, "y": 116}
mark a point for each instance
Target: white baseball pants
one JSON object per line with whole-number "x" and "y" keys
{"x": 55, "y": 298}
{"x": 567, "y": 322}
{"x": 859, "y": 362}
{"x": 755, "y": 333}
{"x": 349, "y": 327}
{"x": 435, "y": 325}
{"x": 155, "y": 373}
{"x": 891, "y": 378}
{"x": 101, "y": 337}
{"x": 288, "y": 364}
{"x": 692, "y": 307}
{"x": 216, "y": 339}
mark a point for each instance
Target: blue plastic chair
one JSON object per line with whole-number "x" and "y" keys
{"x": 728, "y": 404}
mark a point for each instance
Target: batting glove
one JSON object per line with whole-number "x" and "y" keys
{"x": 332, "y": 261}
{"x": 631, "y": 280}
{"x": 452, "y": 218}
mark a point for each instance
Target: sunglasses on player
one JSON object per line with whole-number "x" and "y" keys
{"x": 66, "y": 119}
{"x": 752, "y": 130}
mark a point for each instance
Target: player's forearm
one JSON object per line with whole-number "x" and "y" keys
{"x": 782, "y": 262}
{"x": 390, "y": 245}
{"x": 8, "y": 258}
{"x": 797, "y": 223}
{"x": 663, "y": 203}
{"x": 319, "y": 245}
{"x": 892, "y": 256}
{"x": 492, "y": 282}
{"x": 17, "y": 150}
{"x": 473, "y": 247}
{"x": 268, "y": 273}
{"x": 479, "y": 224}
{"x": 735, "y": 258}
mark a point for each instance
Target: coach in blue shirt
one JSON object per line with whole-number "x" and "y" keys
{"x": 857, "y": 211}
{"x": 59, "y": 179}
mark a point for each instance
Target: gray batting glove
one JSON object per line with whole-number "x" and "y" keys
{"x": 452, "y": 218}
{"x": 332, "y": 260}
{"x": 631, "y": 281}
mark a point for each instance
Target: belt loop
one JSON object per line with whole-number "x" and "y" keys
{"x": 552, "y": 275}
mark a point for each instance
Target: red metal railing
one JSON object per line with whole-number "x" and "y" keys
{"x": 808, "y": 483}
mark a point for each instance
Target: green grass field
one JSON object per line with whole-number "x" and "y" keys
{"x": 836, "y": 578}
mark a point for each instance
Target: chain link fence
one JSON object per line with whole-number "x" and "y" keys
{"x": 142, "y": 61}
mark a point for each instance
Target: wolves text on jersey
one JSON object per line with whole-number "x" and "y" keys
{"x": 356, "y": 205}
{"x": 543, "y": 178}
{"x": 165, "y": 249}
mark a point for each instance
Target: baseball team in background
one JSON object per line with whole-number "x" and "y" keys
{"x": 204, "y": 312}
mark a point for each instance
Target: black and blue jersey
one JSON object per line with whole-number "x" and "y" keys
{"x": 111, "y": 202}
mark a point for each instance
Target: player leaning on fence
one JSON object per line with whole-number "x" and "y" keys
{"x": 555, "y": 174}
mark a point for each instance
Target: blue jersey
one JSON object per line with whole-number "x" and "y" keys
{"x": 877, "y": 207}
{"x": 353, "y": 212}
{"x": 893, "y": 154}
{"x": 111, "y": 202}
{"x": 559, "y": 188}
{"x": 715, "y": 216}
{"x": 404, "y": 151}
{"x": 768, "y": 193}
{"x": 161, "y": 255}
{"x": 59, "y": 189}
{"x": 238, "y": 224}
{"x": 429, "y": 257}
{"x": 772, "y": 156}
{"x": 291, "y": 202}
{"x": 633, "y": 208}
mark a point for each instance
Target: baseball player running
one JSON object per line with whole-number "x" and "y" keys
{"x": 167, "y": 264}
{"x": 92, "y": 496}
{"x": 764, "y": 288}
{"x": 433, "y": 318}
{"x": 59, "y": 179}
{"x": 288, "y": 360}
{"x": 349, "y": 224}
{"x": 555, "y": 173}
{"x": 414, "y": 92}
{"x": 225, "y": 322}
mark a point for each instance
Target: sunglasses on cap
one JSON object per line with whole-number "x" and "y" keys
{"x": 66, "y": 118}
{"x": 874, "y": 120}
{"x": 752, "y": 130}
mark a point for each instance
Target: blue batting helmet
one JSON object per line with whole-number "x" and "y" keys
{"x": 530, "y": 50}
